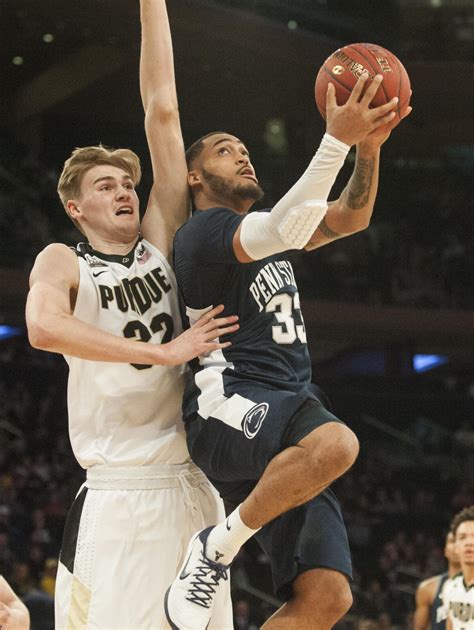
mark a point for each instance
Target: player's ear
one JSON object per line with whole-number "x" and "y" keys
{"x": 73, "y": 209}
{"x": 194, "y": 179}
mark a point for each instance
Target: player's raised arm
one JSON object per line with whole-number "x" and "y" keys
{"x": 295, "y": 218}
{"x": 52, "y": 326}
{"x": 168, "y": 206}
{"x": 352, "y": 212}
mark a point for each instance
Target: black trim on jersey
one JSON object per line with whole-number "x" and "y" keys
{"x": 82, "y": 249}
{"x": 71, "y": 532}
{"x": 460, "y": 573}
{"x": 466, "y": 587}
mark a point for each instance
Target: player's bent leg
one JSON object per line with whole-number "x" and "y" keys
{"x": 332, "y": 447}
{"x": 321, "y": 598}
{"x": 317, "y": 448}
{"x": 301, "y": 472}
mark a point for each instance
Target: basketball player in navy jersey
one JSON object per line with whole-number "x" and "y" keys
{"x": 430, "y": 609}
{"x": 253, "y": 423}
{"x": 127, "y": 531}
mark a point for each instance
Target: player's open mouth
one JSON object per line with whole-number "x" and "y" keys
{"x": 247, "y": 172}
{"x": 124, "y": 210}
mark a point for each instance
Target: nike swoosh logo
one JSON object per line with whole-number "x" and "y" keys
{"x": 99, "y": 272}
{"x": 183, "y": 575}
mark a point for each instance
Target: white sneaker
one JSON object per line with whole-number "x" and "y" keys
{"x": 190, "y": 598}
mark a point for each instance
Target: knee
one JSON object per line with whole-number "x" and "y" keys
{"x": 329, "y": 450}
{"x": 347, "y": 448}
{"x": 326, "y": 597}
{"x": 340, "y": 447}
{"x": 340, "y": 605}
{"x": 335, "y": 605}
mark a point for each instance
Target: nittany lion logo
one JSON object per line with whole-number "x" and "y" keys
{"x": 253, "y": 420}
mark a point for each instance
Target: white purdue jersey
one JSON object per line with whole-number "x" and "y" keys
{"x": 121, "y": 414}
{"x": 459, "y": 601}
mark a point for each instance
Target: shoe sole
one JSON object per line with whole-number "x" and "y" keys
{"x": 173, "y": 626}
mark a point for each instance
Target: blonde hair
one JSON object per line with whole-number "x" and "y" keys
{"x": 83, "y": 159}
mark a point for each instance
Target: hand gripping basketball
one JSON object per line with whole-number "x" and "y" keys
{"x": 353, "y": 121}
{"x": 344, "y": 67}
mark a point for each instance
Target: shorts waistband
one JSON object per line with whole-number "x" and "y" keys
{"x": 144, "y": 477}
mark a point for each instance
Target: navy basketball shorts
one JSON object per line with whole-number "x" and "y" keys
{"x": 310, "y": 536}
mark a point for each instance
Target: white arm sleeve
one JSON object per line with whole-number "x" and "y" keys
{"x": 296, "y": 216}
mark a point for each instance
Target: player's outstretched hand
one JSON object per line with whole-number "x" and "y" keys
{"x": 12, "y": 619}
{"x": 376, "y": 138}
{"x": 355, "y": 120}
{"x": 202, "y": 337}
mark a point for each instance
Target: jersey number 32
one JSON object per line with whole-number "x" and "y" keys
{"x": 137, "y": 329}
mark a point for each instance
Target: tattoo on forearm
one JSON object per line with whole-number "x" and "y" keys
{"x": 326, "y": 230}
{"x": 358, "y": 190}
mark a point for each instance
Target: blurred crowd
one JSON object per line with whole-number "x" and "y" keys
{"x": 38, "y": 474}
{"x": 396, "y": 511}
{"x": 418, "y": 250}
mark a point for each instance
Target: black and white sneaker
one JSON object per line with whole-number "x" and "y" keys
{"x": 190, "y": 598}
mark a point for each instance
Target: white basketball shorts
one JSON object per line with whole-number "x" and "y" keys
{"x": 124, "y": 541}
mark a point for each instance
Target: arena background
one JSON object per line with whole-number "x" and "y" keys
{"x": 389, "y": 312}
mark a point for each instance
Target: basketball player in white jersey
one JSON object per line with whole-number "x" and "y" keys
{"x": 129, "y": 525}
{"x": 431, "y": 611}
{"x": 459, "y": 594}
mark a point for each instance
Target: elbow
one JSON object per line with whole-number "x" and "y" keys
{"x": 161, "y": 110}
{"x": 357, "y": 224}
{"x": 39, "y": 336}
{"x": 361, "y": 226}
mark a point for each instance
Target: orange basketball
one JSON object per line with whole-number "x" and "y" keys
{"x": 344, "y": 67}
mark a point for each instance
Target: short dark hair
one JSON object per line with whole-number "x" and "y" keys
{"x": 464, "y": 515}
{"x": 196, "y": 148}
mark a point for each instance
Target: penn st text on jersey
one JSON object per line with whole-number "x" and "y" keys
{"x": 270, "y": 279}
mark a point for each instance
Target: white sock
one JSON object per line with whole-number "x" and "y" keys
{"x": 227, "y": 538}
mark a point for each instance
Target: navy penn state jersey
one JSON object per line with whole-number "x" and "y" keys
{"x": 268, "y": 358}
